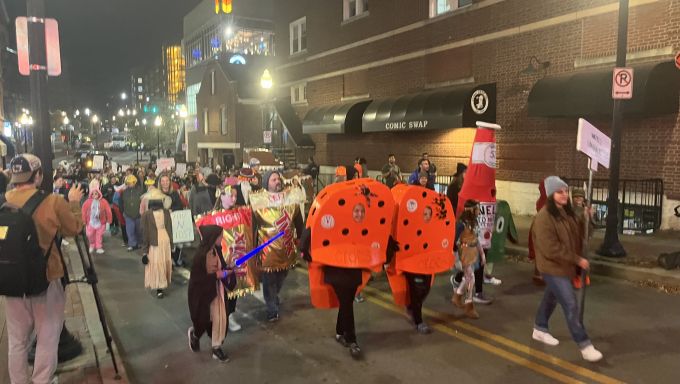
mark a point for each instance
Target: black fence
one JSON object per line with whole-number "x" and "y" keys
{"x": 640, "y": 203}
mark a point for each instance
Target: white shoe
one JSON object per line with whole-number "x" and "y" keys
{"x": 492, "y": 280}
{"x": 233, "y": 325}
{"x": 64, "y": 242}
{"x": 100, "y": 251}
{"x": 591, "y": 354}
{"x": 91, "y": 249}
{"x": 545, "y": 338}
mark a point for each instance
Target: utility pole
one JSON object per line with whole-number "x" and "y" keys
{"x": 42, "y": 133}
{"x": 611, "y": 246}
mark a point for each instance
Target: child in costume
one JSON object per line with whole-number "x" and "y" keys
{"x": 470, "y": 253}
{"x": 207, "y": 283}
{"x": 96, "y": 214}
{"x": 157, "y": 236}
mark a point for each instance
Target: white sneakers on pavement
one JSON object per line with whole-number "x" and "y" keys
{"x": 233, "y": 325}
{"x": 492, "y": 280}
{"x": 91, "y": 249}
{"x": 591, "y": 354}
{"x": 100, "y": 251}
{"x": 545, "y": 338}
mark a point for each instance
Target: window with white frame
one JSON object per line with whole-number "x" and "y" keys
{"x": 438, "y": 7}
{"x": 223, "y": 120}
{"x": 298, "y": 35}
{"x": 205, "y": 120}
{"x": 353, "y": 8}
{"x": 298, "y": 93}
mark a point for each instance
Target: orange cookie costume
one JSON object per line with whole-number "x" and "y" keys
{"x": 237, "y": 230}
{"x": 338, "y": 241}
{"x": 425, "y": 246}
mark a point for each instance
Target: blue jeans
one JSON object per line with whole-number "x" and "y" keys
{"x": 558, "y": 289}
{"x": 271, "y": 286}
{"x": 133, "y": 228}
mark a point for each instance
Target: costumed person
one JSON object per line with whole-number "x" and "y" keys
{"x": 209, "y": 280}
{"x": 480, "y": 185}
{"x": 470, "y": 254}
{"x": 423, "y": 228}
{"x": 275, "y": 211}
{"x": 347, "y": 237}
{"x": 247, "y": 183}
{"x": 504, "y": 228}
{"x": 540, "y": 203}
{"x": 130, "y": 200}
{"x": 96, "y": 214}
{"x": 558, "y": 243}
{"x": 166, "y": 186}
{"x": 157, "y": 231}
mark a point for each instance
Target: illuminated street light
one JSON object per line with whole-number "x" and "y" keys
{"x": 158, "y": 121}
{"x": 95, "y": 119}
{"x": 143, "y": 121}
{"x": 183, "y": 113}
{"x": 121, "y": 113}
{"x": 266, "y": 80}
{"x": 66, "y": 120}
{"x": 113, "y": 118}
{"x": 134, "y": 112}
{"x": 63, "y": 113}
{"x": 229, "y": 31}
{"x": 77, "y": 113}
{"x": 123, "y": 96}
{"x": 24, "y": 120}
{"x": 87, "y": 111}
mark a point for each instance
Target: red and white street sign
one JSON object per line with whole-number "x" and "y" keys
{"x": 267, "y": 137}
{"x": 677, "y": 60}
{"x": 53, "y": 54}
{"x": 622, "y": 83}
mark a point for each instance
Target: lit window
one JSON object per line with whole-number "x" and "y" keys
{"x": 140, "y": 97}
{"x": 298, "y": 93}
{"x": 298, "y": 35}
{"x": 139, "y": 80}
{"x": 205, "y": 120}
{"x": 352, "y": 8}
{"x": 438, "y": 7}
{"x": 223, "y": 120}
{"x": 139, "y": 89}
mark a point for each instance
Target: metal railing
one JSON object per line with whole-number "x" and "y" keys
{"x": 641, "y": 203}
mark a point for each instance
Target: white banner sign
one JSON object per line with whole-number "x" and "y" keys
{"x": 181, "y": 169}
{"x": 164, "y": 164}
{"x": 114, "y": 166}
{"x": 182, "y": 227}
{"x": 97, "y": 162}
{"x": 593, "y": 143}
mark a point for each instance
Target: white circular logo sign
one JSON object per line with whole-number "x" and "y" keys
{"x": 411, "y": 205}
{"x": 445, "y": 243}
{"x": 479, "y": 101}
{"x": 328, "y": 221}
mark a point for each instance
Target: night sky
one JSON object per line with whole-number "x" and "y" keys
{"x": 102, "y": 40}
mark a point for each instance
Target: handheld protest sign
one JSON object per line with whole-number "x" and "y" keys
{"x": 338, "y": 239}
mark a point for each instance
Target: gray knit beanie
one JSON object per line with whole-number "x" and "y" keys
{"x": 553, "y": 184}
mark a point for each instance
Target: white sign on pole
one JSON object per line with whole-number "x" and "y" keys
{"x": 114, "y": 166}
{"x": 165, "y": 163}
{"x": 593, "y": 143}
{"x": 267, "y": 137}
{"x": 182, "y": 226}
{"x": 622, "y": 83}
{"x": 181, "y": 169}
{"x": 97, "y": 162}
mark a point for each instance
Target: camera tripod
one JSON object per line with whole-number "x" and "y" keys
{"x": 90, "y": 277}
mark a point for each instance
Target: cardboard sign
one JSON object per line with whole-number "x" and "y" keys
{"x": 182, "y": 226}
{"x": 97, "y": 162}
{"x": 165, "y": 163}
{"x": 181, "y": 169}
{"x": 593, "y": 143}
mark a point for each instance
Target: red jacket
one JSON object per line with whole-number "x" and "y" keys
{"x": 105, "y": 215}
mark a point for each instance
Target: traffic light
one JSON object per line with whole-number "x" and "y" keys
{"x": 146, "y": 109}
{"x": 223, "y": 5}
{"x": 154, "y": 109}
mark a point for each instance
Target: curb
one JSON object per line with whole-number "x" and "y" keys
{"x": 616, "y": 270}
{"x": 94, "y": 326}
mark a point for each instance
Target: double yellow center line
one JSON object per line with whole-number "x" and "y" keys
{"x": 505, "y": 348}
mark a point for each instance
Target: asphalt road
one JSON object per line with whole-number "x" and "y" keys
{"x": 635, "y": 328}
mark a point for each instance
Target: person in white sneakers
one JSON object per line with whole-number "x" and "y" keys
{"x": 557, "y": 239}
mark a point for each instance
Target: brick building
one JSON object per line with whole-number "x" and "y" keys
{"x": 344, "y": 57}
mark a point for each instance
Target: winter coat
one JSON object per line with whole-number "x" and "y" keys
{"x": 105, "y": 214}
{"x": 201, "y": 199}
{"x": 131, "y": 200}
{"x": 557, "y": 242}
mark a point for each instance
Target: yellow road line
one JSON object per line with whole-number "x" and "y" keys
{"x": 386, "y": 302}
{"x": 587, "y": 373}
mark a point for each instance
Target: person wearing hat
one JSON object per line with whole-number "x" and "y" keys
{"x": 254, "y": 164}
{"x": 43, "y": 313}
{"x": 202, "y": 196}
{"x": 131, "y": 201}
{"x": 558, "y": 244}
{"x": 247, "y": 183}
{"x": 96, "y": 214}
{"x": 157, "y": 233}
{"x": 456, "y": 184}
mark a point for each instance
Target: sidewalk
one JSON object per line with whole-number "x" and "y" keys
{"x": 93, "y": 366}
{"x": 639, "y": 265}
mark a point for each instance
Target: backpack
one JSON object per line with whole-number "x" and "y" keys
{"x": 23, "y": 265}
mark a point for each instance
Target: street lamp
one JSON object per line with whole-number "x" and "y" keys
{"x": 77, "y": 113}
{"x": 121, "y": 113}
{"x": 95, "y": 119}
{"x": 25, "y": 121}
{"x": 87, "y": 111}
{"x": 66, "y": 120}
{"x": 158, "y": 122}
{"x": 123, "y": 96}
{"x": 137, "y": 136}
{"x": 266, "y": 82}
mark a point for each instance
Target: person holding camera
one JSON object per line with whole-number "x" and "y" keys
{"x": 43, "y": 312}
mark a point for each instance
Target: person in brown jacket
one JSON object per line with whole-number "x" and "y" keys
{"x": 558, "y": 238}
{"x": 43, "y": 313}
{"x": 157, "y": 235}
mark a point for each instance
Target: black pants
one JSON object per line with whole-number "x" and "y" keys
{"x": 479, "y": 279}
{"x": 418, "y": 289}
{"x": 231, "y": 306}
{"x": 345, "y": 323}
{"x": 124, "y": 232}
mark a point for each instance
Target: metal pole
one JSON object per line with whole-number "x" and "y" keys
{"x": 586, "y": 224}
{"x": 159, "y": 145}
{"x": 611, "y": 246}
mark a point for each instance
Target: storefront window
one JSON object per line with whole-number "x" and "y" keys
{"x": 438, "y": 7}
